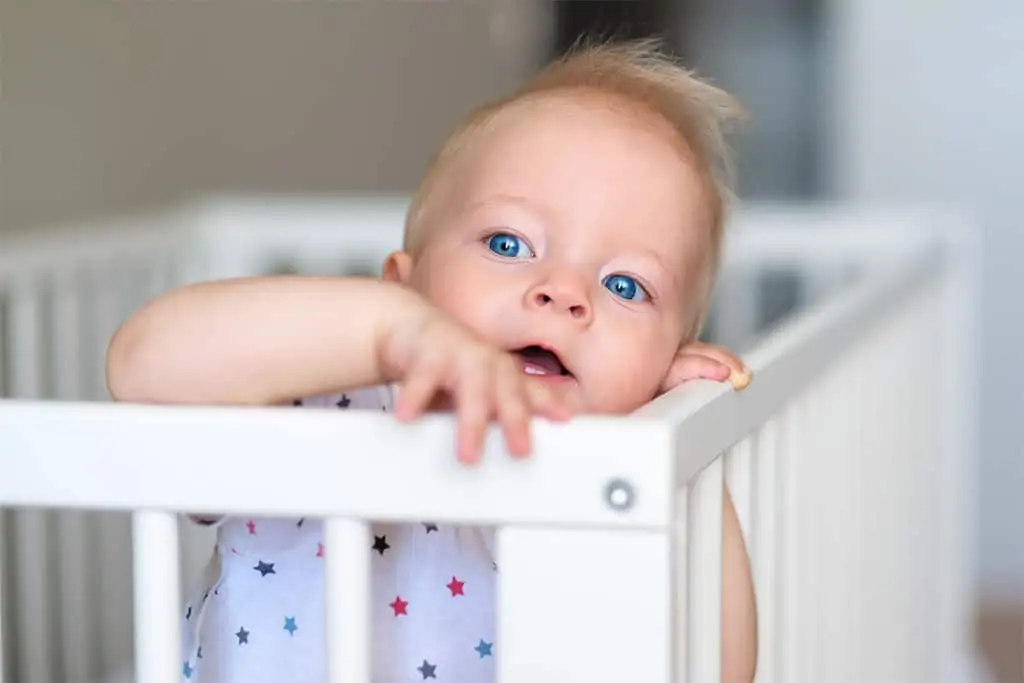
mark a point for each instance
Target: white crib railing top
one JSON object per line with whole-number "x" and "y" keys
{"x": 359, "y": 464}
{"x": 138, "y": 457}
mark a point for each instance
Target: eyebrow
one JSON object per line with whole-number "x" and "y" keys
{"x": 674, "y": 280}
{"x": 498, "y": 199}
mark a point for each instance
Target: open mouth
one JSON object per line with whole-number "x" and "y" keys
{"x": 536, "y": 360}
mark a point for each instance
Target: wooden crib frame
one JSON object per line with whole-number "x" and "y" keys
{"x": 849, "y": 459}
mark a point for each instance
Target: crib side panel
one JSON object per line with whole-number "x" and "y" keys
{"x": 846, "y": 501}
{"x": 847, "y": 461}
{"x": 66, "y": 571}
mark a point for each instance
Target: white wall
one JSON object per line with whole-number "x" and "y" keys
{"x": 110, "y": 105}
{"x": 930, "y": 106}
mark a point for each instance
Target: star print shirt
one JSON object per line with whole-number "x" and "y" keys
{"x": 258, "y": 615}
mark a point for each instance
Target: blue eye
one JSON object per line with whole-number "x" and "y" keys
{"x": 510, "y": 246}
{"x": 625, "y": 287}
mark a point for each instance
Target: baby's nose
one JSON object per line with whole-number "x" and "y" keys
{"x": 563, "y": 295}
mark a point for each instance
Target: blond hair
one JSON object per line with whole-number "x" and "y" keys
{"x": 641, "y": 74}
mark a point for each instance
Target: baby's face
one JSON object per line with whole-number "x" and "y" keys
{"x": 573, "y": 236}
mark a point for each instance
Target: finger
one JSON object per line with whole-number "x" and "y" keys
{"x": 544, "y": 402}
{"x": 474, "y": 398}
{"x": 513, "y": 409}
{"x": 420, "y": 387}
{"x": 719, "y": 353}
{"x": 693, "y": 366}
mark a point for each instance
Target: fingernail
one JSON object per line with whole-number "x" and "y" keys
{"x": 740, "y": 381}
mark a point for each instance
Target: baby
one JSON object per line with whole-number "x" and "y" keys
{"x": 558, "y": 258}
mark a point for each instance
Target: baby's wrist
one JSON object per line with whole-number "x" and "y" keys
{"x": 404, "y": 316}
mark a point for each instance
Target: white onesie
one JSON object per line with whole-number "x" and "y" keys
{"x": 259, "y": 615}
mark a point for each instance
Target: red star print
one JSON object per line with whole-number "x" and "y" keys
{"x": 319, "y": 549}
{"x": 399, "y": 606}
{"x": 455, "y": 586}
{"x": 251, "y": 525}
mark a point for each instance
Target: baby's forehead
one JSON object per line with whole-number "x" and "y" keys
{"x": 584, "y": 158}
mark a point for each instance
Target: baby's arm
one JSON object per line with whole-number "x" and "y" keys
{"x": 258, "y": 341}
{"x": 739, "y": 608}
{"x": 267, "y": 341}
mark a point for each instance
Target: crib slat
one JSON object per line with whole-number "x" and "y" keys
{"x": 67, "y": 341}
{"x": 790, "y": 613}
{"x": 765, "y": 552}
{"x": 549, "y": 577}
{"x": 157, "y": 597}
{"x": 823, "y": 416}
{"x": 106, "y": 296}
{"x": 76, "y": 566}
{"x": 680, "y": 583}
{"x": 739, "y": 476}
{"x": 347, "y": 600}
{"x": 32, "y": 615}
{"x": 26, "y": 340}
{"x": 112, "y": 530}
{"x": 839, "y": 532}
{"x": 704, "y": 651}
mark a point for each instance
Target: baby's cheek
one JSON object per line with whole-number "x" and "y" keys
{"x": 633, "y": 382}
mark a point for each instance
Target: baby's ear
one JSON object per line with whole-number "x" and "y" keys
{"x": 397, "y": 267}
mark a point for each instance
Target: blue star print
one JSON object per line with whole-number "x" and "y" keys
{"x": 427, "y": 669}
{"x": 265, "y": 568}
{"x": 429, "y": 526}
{"x": 187, "y": 670}
{"x": 484, "y": 648}
{"x": 243, "y": 636}
{"x": 199, "y": 653}
{"x": 345, "y": 402}
{"x": 289, "y": 625}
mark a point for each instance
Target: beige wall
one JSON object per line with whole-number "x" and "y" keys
{"x": 109, "y": 104}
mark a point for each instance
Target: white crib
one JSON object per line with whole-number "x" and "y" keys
{"x": 849, "y": 459}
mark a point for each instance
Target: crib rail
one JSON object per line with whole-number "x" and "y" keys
{"x": 412, "y": 475}
{"x": 846, "y": 460}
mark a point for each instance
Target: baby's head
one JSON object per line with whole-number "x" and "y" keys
{"x": 578, "y": 222}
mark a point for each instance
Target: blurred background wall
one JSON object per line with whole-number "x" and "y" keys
{"x": 112, "y": 104}
{"x": 108, "y": 104}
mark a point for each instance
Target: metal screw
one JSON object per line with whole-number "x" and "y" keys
{"x": 620, "y": 494}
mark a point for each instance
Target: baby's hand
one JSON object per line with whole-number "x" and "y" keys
{"x": 698, "y": 360}
{"x": 431, "y": 355}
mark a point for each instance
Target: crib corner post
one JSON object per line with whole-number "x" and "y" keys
{"x": 584, "y": 604}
